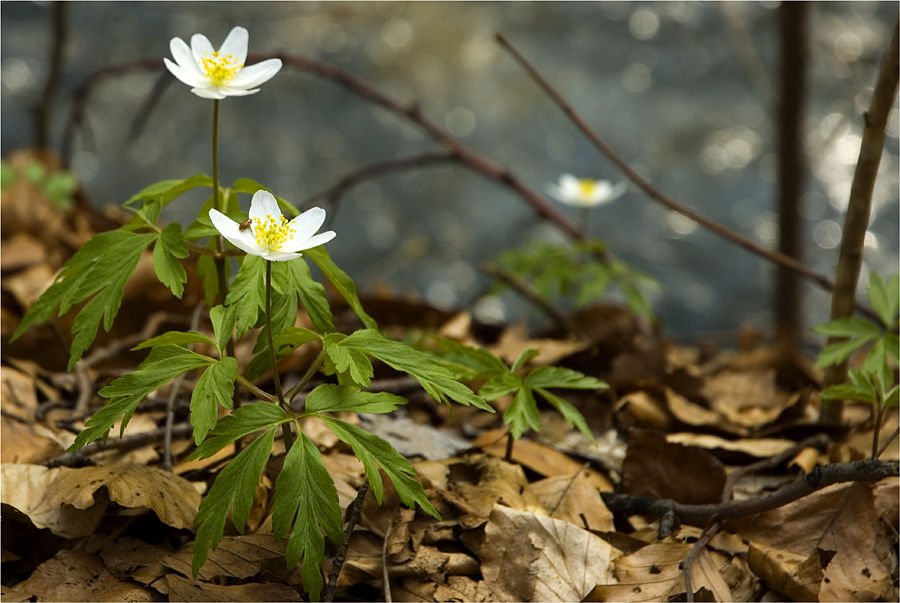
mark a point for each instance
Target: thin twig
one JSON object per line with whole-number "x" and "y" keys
{"x": 527, "y": 291}
{"x": 131, "y": 442}
{"x": 869, "y": 470}
{"x": 173, "y": 395}
{"x": 745, "y": 242}
{"x": 888, "y": 443}
{"x": 385, "y": 566}
{"x": 687, "y": 565}
{"x": 341, "y": 553}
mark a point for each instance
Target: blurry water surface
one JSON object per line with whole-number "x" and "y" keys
{"x": 685, "y": 92}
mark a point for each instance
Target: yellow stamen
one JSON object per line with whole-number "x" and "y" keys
{"x": 220, "y": 68}
{"x": 586, "y": 186}
{"x": 272, "y": 234}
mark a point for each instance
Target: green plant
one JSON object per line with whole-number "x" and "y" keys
{"x": 272, "y": 282}
{"x": 873, "y": 382}
{"x": 59, "y": 186}
{"x": 475, "y": 364}
{"x": 563, "y": 270}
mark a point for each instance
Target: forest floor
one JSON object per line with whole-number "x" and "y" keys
{"x": 562, "y": 519}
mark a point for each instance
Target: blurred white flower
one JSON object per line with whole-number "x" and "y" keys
{"x": 219, "y": 73}
{"x": 584, "y": 192}
{"x": 269, "y": 234}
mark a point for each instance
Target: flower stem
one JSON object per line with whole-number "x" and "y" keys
{"x": 255, "y": 390}
{"x": 285, "y": 427}
{"x": 306, "y": 377}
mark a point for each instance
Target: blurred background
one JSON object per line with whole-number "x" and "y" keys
{"x": 686, "y": 92}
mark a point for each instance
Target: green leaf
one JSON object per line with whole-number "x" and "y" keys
{"x": 216, "y": 385}
{"x": 294, "y": 337}
{"x": 892, "y": 346}
{"x": 305, "y": 496}
{"x": 524, "y": 358}
{"x": 234, "y": 489}
{"x": 209, "y": 276}
{"x": 849, "y": 327}
{"x": 334, "y": 398}
{"x": 499, "y": 386}
{"x": 247, "y": 296}
{"x": 343, "y": 283}
{"x": 175, "y": 338}
{"x": 596, "y": 280}
{"x": 243, "y": 421}
{"x": 164, "y": 363}
{"x": 170, "y": 249}
{"x": 466, "y": 362}
{"x": 435, "y": 379}
{"x": 223, "y": 326}
{"x": 60, "y": 187}
{"x": 102, "y": 265}
{"x": 554, "y": 376}
{"x": 522, "y": 413}
{"x": 167, "y": 190}
{"x": 349, "y": 360}
{"x": 881, "y": 299}
{"x": 891, "y": 398}
{"x": 374, "y": 452}
{"x": 846, "y": 391}
{"x": 245, "y": 185}
{"x": 312, "y": 296}
{"x": 836, "y": 353}
{"x": 570, "y": 413}
{"x": 7, "y": 175}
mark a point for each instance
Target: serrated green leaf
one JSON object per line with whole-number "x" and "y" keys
{"x": 343, "y": 283}
{"x": 334, "y": 398}
{"x": 524, "y": 358}
{"x": 570, "y": 413}
{"x": 849, "y": 327}
{"x": 162, "y": 365}
{"x": 145, "y": 216}
{"x": 175, "y": 338}
{"x": 501, "y": 385}
{"x": 102, "y": 265}
{"x": 243, "y": 421}
{"x": 836, "y": 353}
{"x": 167, "y": 190}
{"x": 208, "y": 275}
{"x": 223, "y": 326}
{"x": 554, "y": 376}
{"x": 880, "y": 299}
{"x": 216, "y": 385}
{"x": 434, "y": 379}
{"x": 468, "y": 362}
{"x": 169, "y": 250}
{"x": 306, "y": 497}
{"x": 522, "y": 413}
{"x": 375, "y": 452}
{"x": 846, "y": 391}
{"x": 246, "y": 185}
{"x": 312, "y": 296}
{"x": 294, "y": 337}
{"x": 348, "y": 360}
{"x": 248, "y": 293}
{"x": 234, "y": 489}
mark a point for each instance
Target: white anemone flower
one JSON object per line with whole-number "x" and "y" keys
{"x": 585, "y": 192}
{"x": 268, "y": 234}
{"x": 219, "y": 73}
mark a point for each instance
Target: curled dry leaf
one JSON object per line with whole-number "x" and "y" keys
{"x": 574, "y": 499}
{"x": 63, "y": 499}
{"x": 794, "y": 575}
{"x": 182, "y": 589}
{"x": 526, "y": 557}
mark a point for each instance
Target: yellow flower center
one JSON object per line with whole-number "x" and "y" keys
{"x": 586, "y": 186}
{"x": 220, "y": 69}
{"x": 272, "y": 234}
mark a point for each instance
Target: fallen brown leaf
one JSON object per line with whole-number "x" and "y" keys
{"x": 182, "y": 589}
{"x": 573, "y": 499}
{"x": 797, "y": 576}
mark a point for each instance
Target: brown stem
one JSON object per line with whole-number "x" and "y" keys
{"x": 869, "y": 470}
{"x": 527, "y": 291}
{"x": 341, "y": 555}
{"x": 888, "y": 443}
{"x": 687, "y": 565}
{"x": 859, "y": 210}
{"x": 737, "y": 238}
{"x": 285, "y": 427}
{"x": 139, "y": 440}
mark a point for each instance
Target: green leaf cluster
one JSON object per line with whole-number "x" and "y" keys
{"x": 576, "y": 270}
{"x": 473, "y": 364}
{"x": 57, "y": 185}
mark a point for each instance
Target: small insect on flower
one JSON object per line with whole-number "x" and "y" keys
{"x": 244, "y": 225}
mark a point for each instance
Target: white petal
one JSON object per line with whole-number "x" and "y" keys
{"x": 264, "y": 204}
{"x": 306, "y": 224}
{"x": 183, "y": 75}
{"x": 183, "y": 56}
{"x": 254, "y": 75}
{"x": 208, "y": 92}
{"x": 301, "y": 243}
{"x": 201, "y": 47}
{"x": 280, "y": 256}
{"x": 242, "y": 239}
{"x": 568, "y": 182}
{"x": 232, "y": 91}
{"x": 236, "y": 45}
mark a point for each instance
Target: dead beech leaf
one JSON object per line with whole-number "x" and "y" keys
{"x": 642, "y": 409}
{"x": 755, "y": 447}
{"x": 526, "y": 557}
{"x": 235, "y": 557}
{"x": 574, "y": 499}
{"x": 128, "y": 557}
{"x": 182, "y": 589}
{"x": 498, "y": 481}
{"x": 749, "y": 398}
{"x": 514, "y": 341}
{"x": 887, "y": 500}
{"x": 47, "y": 496}
{"x": 689, "y": 412}
{"x": 73, "y": 575}
{"x": 686, "y": 474}
{"x": 456, "y": 588}
{"x": 840, "y": 518}
{"x": 797, "y": 576}
{"x": 23, "y": 443}
{"x": 19, "y": 251}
